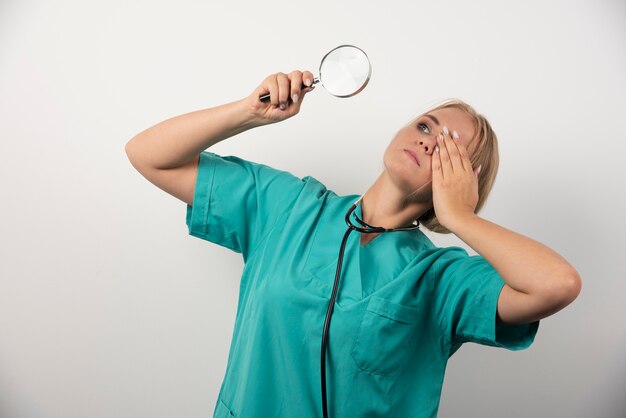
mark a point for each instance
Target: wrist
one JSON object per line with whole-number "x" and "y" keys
{"x": 247, "y": 118}
{"x": 456, "y": 223}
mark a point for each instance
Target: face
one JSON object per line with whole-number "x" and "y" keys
{"x": 420, "y": 137}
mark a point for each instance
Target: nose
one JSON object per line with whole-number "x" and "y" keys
{"x": 427, "y": 144}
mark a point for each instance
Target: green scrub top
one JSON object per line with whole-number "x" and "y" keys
{"x": 404, "y": 306}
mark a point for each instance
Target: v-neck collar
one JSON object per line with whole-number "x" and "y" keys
{"x": 365, "y": 268}
{"x": 385, "y": 257}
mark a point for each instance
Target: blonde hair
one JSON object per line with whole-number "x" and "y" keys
{"x": 485, "y": 155}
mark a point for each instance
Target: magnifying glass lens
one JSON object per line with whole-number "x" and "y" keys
{"x": 344, "y": 72}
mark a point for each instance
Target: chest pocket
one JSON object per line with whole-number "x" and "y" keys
{"x": 385, "y": 338}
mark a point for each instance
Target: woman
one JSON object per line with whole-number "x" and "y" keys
{"x": 402, "y": 306}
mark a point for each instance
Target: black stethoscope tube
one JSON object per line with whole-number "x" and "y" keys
{"x": 331, "y": 304}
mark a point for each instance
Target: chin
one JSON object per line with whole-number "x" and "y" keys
{"x": 406, "y": 178}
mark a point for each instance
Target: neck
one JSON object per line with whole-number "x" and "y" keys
{"x": 385, "y": 205}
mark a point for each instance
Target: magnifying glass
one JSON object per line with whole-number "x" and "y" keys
{"x": 344, "y": 72}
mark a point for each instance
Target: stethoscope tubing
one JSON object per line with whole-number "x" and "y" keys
{"x": 331, "y": 304}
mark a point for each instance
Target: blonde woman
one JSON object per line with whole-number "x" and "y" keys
{"x": 400, "y": 306}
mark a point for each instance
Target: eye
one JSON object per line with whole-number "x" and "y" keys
{"x": 419, "y": 126}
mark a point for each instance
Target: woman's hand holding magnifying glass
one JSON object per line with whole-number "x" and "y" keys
{"x": 344, "y": 72}
{"x": 286, "y": 94}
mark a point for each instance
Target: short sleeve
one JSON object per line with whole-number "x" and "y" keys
{"x": 467, "y": 292}
{"x": 236, "y": 202}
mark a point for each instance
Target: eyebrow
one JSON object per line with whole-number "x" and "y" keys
{"x": 433, "y": 118}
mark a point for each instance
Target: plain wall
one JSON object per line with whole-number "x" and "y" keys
{"x": 108, "y": 308}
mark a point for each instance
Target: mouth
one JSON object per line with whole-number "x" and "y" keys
{"x": 412, "y": 156}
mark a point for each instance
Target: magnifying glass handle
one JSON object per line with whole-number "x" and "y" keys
{"x": 266, "y": 96}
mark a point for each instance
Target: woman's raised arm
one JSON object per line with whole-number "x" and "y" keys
{"x": 178, "y": 140}
{"x": 167, "y": 153}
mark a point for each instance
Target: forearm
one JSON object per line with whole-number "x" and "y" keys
{"x": 525, "y": 264}
{"x": 177, "y": 140}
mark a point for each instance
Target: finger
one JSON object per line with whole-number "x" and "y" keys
{"x": 453, "y": 151}
{"x": 272, "y": 86}
{"x": 435, "y": 162}
{"x": 444, "y": 155}
{"x": 467, "y": 164}
{"x": 283, "y": 89}
{"x": 307, "y": 78}
{"x": 296, "y": 82}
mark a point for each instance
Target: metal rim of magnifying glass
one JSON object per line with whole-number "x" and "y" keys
{"x": 369, "y": 73}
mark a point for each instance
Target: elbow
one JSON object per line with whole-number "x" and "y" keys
{"x": 570, "y": 286}
{"x": 127, "y": 148}
{"x": 574, "y": 285}
{"x": 130, "y": 154}
{"x": 563, "y": 292}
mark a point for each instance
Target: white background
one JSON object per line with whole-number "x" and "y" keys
{"x": 108, "y": 308}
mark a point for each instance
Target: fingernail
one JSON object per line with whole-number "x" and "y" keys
{"x": 282, "y": 106}
{"x": 295, "y": 98}
{"x": 307, "y": 82}
{"x": 455, "y": 135}
{"x": 445, "y": 130}
{"x": 437, "y": 148}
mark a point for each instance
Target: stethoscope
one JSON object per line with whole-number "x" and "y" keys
{"x": 331, "y": 304}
